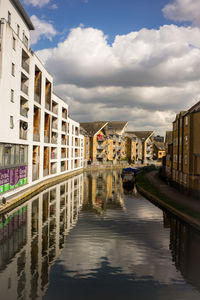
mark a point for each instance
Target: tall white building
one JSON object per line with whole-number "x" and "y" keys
{"x": 38, "y": 140}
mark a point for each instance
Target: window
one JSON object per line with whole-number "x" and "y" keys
{"x": 13, "y": 69}
{"x": 11, "y": 122}
{"x": 9, "y": 17}
{"x": 185, "y": 159}
{"x": 186, "y": 121}
{"x": 186, "y": 140}
{"x": 12, "y": 96}
{"x": 14, "y": 43}
{"x": 18, "y": 30}
{"x": 185, "y": 178}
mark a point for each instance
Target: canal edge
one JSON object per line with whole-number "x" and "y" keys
{"x": 156, "y": 200}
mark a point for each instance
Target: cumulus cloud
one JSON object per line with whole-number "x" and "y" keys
{"x": 143, "y": 77}
{"x": 183, "y": 10}
{"x": 39, "y": 3}
{"x": 43, "y": 29}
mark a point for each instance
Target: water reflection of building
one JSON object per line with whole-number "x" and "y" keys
{"x": 185, "y": 249}
{"x": 102, "y": 191}
{"x": 32, "y": 236}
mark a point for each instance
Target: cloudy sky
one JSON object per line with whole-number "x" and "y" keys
{"x": 134, "y": 60}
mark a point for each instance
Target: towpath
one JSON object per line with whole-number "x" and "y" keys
{"x": 173, "y": 193}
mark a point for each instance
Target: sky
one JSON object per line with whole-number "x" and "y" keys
{"x": 128, "y": 60}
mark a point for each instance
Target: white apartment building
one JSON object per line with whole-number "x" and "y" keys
{"x": 38, "y": 140}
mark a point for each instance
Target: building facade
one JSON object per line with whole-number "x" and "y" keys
{"x": 144, "y": 145}
{"x": 38, "y": 140}
{"x": 105, "y": 141}
{"x": 185, "y": 150}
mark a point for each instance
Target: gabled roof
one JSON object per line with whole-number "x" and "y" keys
{"x": 93, "y": 128}
{"x": 115, "y": 126}
{"x": 194, "y": 108}
{"x": 142, "y": 134}
{"x": 160, "y": 146}
{"x": 17, "y": 4}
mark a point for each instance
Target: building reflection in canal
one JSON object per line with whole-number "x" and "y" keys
{"x": 185, "y": 249}
{"x": 33, "y": 235}
{"x": 103, "y": 190}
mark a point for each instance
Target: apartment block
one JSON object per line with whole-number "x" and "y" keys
{"x": 38, "y": 139}
{"x": 144, "y": 145}
{"x": 104, "y": 141}
{"x": 184, "y": 152}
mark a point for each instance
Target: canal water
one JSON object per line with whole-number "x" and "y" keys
{"x": 87, "y": 238}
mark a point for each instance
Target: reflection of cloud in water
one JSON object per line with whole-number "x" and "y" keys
{"x": 132, "y": 254}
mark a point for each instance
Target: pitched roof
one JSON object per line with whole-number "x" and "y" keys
{"x": 142, "y": 134}
{"x": 194, "y": 108}
{"x": 116, "y": 125}
{"x": 160, "y": 146}
{"x": 17, "y": 4}
{"x": 93, "y": 127}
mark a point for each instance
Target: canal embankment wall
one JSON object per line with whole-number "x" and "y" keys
{"x": 168, "y": 198}
{"x": 20, "y": 197}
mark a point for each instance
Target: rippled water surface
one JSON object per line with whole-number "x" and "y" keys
{"x": 87, "y": 238}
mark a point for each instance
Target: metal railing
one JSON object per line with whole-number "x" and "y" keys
{"x": 45, "y": 172}
{"x": 25, "y": 66}
{"x": 24, "y": 88}
{"x": 54, "y": 140}
{"x": 55, "y": 110}
{"x": 23, "y": 134}
{"x": 36, "y": 137}
{"x": 37, "y": 98}
{"x": 23, "y": 112}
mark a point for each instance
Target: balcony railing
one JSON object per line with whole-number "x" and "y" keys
{"x": 54, "y": 140}
{"x": 25, "y": 66}
{"x": 37, "y": 98}
{"x": 23, "y": 134}
{"x": 35, "y": 172}
{"x": 46, "y": 138}
{"x": 53, "y": 155}
{"x": 45, "y": 172}
{"x": 36, "y": 137}
{"x": 63, "y": 142}
{"x": 55, "y": 110}
{"x": 24, "y": 88}
{"x": 54, "y": 126}
{"x": 23, "y": 112}
{"x": 63, "y": 168}
{"x": 63, "y": 155}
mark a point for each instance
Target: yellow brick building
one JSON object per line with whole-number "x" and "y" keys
{"x": 186, "y": 150}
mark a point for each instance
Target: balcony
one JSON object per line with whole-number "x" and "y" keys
{"x": 25, "y": 61}
{"x": 54, "y": 107}
{"x": 46, "y": 136}
{"x": 35, "y": 172}
{"x": 24, "y": 88}
{"x": 36, "y": 137}
{"x": 25, "y": 66}
{"x": 64, "y": 113}
{"x": 23, "y": 130}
